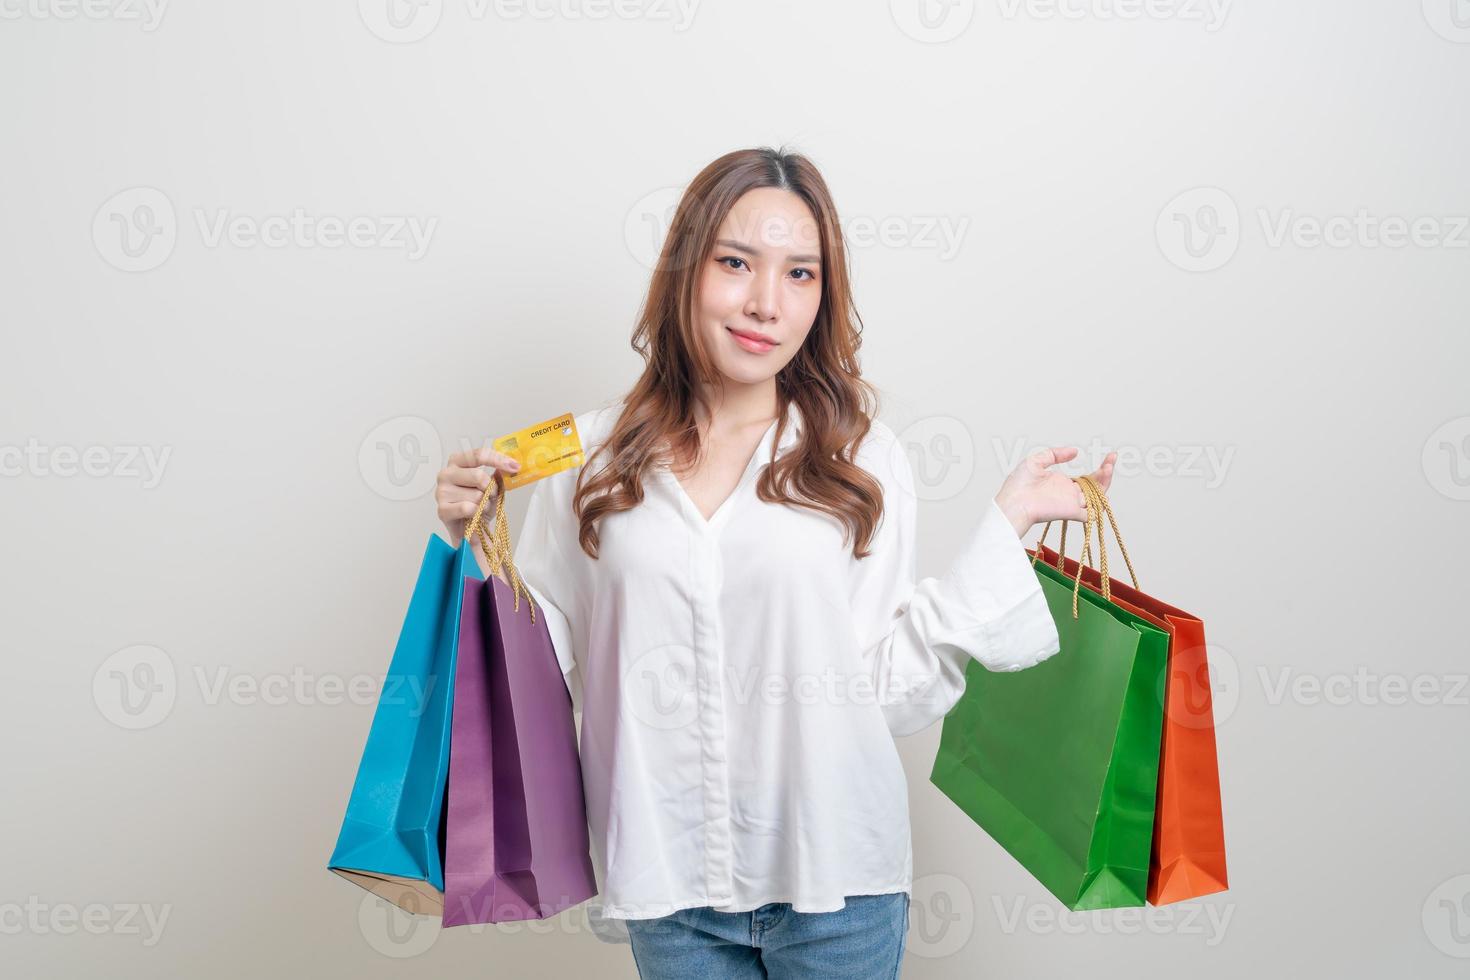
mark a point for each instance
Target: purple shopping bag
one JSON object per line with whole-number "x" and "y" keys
{"x": 516, "y": 843}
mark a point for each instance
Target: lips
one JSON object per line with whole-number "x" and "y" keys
{"x": 757, "y": 343}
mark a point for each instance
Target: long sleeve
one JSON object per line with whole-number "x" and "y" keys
{"x": 541, "y": 558}
{"x": 917, "y": 637}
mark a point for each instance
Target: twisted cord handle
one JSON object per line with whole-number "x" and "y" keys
{"x": 495, "y": 542}
{"x": 1097, "y": 505}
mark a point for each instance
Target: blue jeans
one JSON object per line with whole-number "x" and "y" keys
{"x": 862, "y": 941}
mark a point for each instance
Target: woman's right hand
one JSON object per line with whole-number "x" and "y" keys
{"x": 462, "y": 483}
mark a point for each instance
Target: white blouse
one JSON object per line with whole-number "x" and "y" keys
{"x": 740, "y": 680}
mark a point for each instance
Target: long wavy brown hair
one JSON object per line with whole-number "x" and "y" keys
{"x": 658, "y": 424}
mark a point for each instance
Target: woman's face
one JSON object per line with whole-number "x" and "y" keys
{"x": 761, "y": 279}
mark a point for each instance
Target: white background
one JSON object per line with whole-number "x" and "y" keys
{"x": 1129, "y": 195}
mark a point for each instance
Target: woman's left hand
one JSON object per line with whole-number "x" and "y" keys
{"x": 1034, "y": 493}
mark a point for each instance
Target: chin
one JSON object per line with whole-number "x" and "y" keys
{"x": 742, "y": 374}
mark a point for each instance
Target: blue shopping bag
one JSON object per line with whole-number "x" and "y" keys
{"x": 392, "y": 840}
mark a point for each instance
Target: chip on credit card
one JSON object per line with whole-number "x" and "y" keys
{"x": 541, "y": 449}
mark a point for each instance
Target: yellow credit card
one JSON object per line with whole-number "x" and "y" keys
{"x": 541, "y": 449}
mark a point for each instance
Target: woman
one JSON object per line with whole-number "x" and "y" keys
{"x": 731, "y": 575}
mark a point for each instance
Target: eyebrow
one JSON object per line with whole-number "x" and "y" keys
{"x": 739, "y": 247}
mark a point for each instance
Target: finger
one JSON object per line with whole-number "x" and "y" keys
{"x": 1079, "y": 505}
{"x": 465, "y": 458}
{"x": 1053, "y": 455}
{"x": 465, "y": 509}
{"x": 452, "y": 497}
{"x": 484, "y": 456}
{"x": 472, "y": 474}
{"x": 460, "y": 476}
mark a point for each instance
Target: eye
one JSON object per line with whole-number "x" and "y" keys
{"x": 730, "y": 258}
{"x": 809, "y": 273}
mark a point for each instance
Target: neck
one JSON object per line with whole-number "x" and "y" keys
{"x": 734, "y": 406}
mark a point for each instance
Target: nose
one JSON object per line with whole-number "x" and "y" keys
{"x": 764, "y": 301}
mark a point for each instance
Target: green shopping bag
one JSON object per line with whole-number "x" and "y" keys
{"x": 1059, "y": 763}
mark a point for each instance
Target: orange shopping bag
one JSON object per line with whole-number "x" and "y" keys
{"x": 1188, "y": 856}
